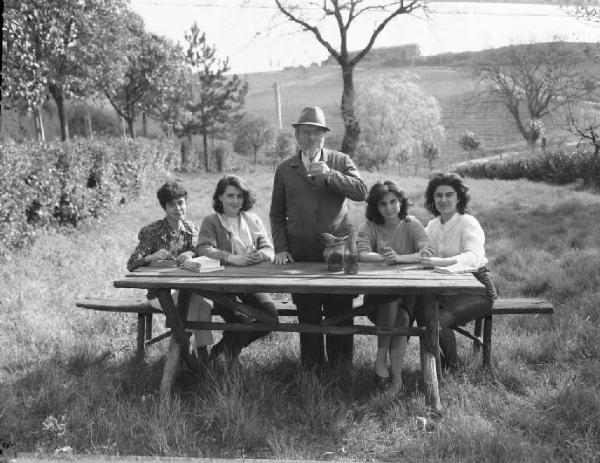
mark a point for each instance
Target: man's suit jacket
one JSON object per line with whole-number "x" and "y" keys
{"x": 303, "y": 207}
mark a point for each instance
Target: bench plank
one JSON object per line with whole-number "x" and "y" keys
{"x": 140, "y": 306}
{"x": 307, "y": 328}
{"x": 524, "y": 306}
{"x": 503, "y": 306}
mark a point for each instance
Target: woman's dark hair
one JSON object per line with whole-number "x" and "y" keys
{"x": 377, "y": 192}
{"x": 170, "y": 191}
{"x": 233, "y": 180}
{"x": 450, "y": 179}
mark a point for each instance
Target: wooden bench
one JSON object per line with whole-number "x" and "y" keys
{"x": 503, "y": 306}
{"x": 145, "y": 311}
{"x": 140, "y": 306}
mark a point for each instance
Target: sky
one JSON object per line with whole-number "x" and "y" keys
{"x": 254, "y": 36}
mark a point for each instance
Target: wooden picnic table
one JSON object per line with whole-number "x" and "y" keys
{"x": 310, "y": 278}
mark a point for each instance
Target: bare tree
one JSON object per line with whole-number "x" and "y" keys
{"x": 345, "y": 14}
{"x": 530, "y": 81}
{"x": 583, "y": 114}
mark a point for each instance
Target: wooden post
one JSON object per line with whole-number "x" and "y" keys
{"x": 477, "y": 333}
{"x": 487, "y": 341}
{"x": 148, "y": 327}
{"x": 141, "y": 331}
{"x": 277, "y": 89}
{"x": 430, "y": 351}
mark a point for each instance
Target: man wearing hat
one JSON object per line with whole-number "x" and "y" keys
{"x": 309, "y": 198}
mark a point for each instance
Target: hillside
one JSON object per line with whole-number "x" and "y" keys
{"x": 452, "y": 87}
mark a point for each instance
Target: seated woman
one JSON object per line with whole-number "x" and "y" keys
{"x": 236, "y": 237}
{"x": 173, "y": 238}
{"x": 390, "y": 236}
{"x": 456, "y": 237}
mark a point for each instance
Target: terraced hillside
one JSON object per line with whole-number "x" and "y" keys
{"x": 453, "y": 88}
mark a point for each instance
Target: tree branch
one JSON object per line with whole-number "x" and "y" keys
{"x": 316, "y": 32}
{"x": 402, "y": 9}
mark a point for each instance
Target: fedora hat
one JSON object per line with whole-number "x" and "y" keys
{"x": 312, "y": 115}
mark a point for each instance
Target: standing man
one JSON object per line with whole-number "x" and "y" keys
{"x": 309, "y": 198}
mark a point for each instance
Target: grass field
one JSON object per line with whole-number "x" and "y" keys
{"x": 68, "y": 380}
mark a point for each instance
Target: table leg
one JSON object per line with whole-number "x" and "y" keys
{"x": 175, "y": 317}
{"x": 429, "y": 344}
{"x": 170, "y": 368}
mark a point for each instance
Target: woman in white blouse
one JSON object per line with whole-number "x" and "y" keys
{"x": 455, "y": 237}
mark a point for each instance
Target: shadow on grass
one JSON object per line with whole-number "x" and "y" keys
{"x": 260, "y": 409}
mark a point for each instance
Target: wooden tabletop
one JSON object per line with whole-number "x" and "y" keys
{"x": 372, "y": 278}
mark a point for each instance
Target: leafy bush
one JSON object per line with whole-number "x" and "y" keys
{"x": 468, "y": 141}
{"x": 282, "y": 148}
{"x": 44, "y": 185}
{"x": 395, "y": 116}
{"x": 555, "y": 167}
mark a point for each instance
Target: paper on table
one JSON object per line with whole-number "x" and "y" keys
{"x": 456, "y": 268}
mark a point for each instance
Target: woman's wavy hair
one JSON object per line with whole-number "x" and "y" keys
{"x": 170, "y": 191}
{"x": 450, "y": 179}
{"x": 377, "y": 192}
{"x": 233, "y": 180}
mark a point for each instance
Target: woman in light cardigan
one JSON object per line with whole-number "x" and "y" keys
{"x": 456, "y": 237}
{"x": 236, "y": 236}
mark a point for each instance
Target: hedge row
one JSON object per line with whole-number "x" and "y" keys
{"x": 46, "y": 185}
{"x": 557, "y": 167}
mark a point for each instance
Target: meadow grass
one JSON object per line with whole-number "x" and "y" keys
{"x": 68, "y": 377}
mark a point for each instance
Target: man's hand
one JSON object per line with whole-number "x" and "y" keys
{"x": 318, "y": 168}
{"x": 283, "y": 257}
{"x": 161, "y": 254}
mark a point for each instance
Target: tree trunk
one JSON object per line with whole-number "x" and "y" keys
{"x": 144, "y": 124}
{"x": 205, "y": 145}
{"x": 255, "y": 154}
{"x": 593, "y": 173}
{"x": 59, "y": 99}
{"x": 88, "y": 118}
{"x": 39, "y": 124}
{"x": 130, "y": 126}
{"x": 351, "y": 125}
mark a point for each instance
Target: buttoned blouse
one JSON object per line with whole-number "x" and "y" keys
{"x": 159, "y": 235}
{"x": 460, "y": 237}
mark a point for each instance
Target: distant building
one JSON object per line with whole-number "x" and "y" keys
{"x": 401, "y": 55}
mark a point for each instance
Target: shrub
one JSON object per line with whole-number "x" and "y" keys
{"x": 554, "y": 167}
{"x": 283, "y": 147}
{"x": 221, "y": 154}
{"x": 431, "y": 152}
{"x": 45, "y": 185}
{"x": 468, "y": 141}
